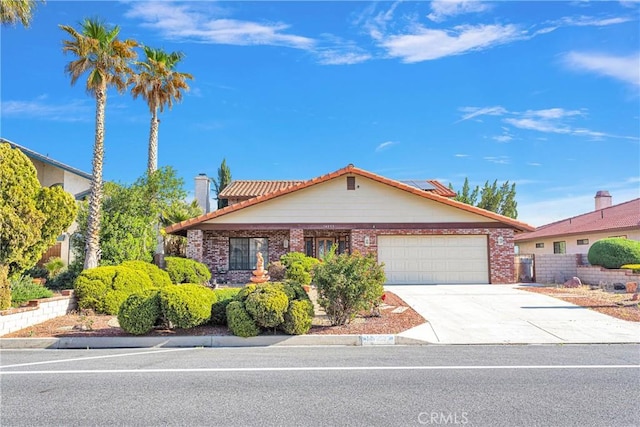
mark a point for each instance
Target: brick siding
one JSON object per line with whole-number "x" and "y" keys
{"x": 213, "y": 247}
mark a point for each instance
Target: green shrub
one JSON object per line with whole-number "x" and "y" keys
{"x": 240, "y": 322}
{"x": 37, "y": 272}
{"x": 158, "y": 276}
{"x": 54, "y": 266}
{"x": 187, "y": 306}
{"x": 299, "y": 267}
{"x": 23, "y": 289}
{"x": 184, "y": 270}
{"x": 634, "y": 267}
{"x": 244, "y": 292}
{"x": 348, "y": 284}
{"x": 614, "y": 252}
{"x": 66, "y": 279}
{"x": 104, "y": 289}
{"x": 140, "y": 312}
{"x": 297, "y": 320}
{"x": 219, "y": 308}
{"x": 267, "y": 305}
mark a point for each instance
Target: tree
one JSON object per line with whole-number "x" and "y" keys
{"x": 224, "y": 179}
{"x": 128, "y": 229}
{"x": 12, "y": 11}
{"x": 106, "y": 59}
{"x": 177, "y": 212}
{"x": 159, "y": 84}
{"x": 31, "y": 217}
{"x": 500, "y": 200}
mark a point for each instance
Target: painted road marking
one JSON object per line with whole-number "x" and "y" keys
{"x": 109, "y": 356}
{"x": 317, "y": 368}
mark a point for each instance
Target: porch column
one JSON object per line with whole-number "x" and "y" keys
{"x": 195, "y": 245}
{"x": 296, "y": 240}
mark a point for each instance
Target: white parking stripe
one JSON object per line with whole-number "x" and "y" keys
{"x": 319, "y": 368}
{"x": 46, "y": 362}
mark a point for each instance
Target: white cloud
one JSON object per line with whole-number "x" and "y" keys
{"x": 336, "y": 57}
{"x": 187, "y": 21}
{"x": 472, "y": 112}
{"x": 536, "y": 164}
{"x": 590, "y": 21}
{"x": 498, "y": 160}
{"x": 461, "y": 155}
{"x": 624, "y": 68}
{"x": 385, "y": 145}
{"x": 425, "y": 44}
{"x": 73, "y": 111}
{"x": 502, "y": 138}
{"x": 440, "y": 10}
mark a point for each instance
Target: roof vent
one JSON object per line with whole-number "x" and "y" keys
{"x": 603, "y": 199}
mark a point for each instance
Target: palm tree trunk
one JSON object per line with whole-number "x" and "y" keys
{"x": 92, "y": 255}
{"x": 152, "y": 165}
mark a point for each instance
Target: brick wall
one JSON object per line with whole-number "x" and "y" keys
{"x": 38, "y": 311}
{"x": 213, "y": 247}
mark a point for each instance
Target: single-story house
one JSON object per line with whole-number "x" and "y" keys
{"x": 575, "y": 235}
{"x": 413, "y": 227}
{"x": 74, "y": 181}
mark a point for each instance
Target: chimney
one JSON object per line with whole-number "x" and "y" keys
{"x": 603, "y": 199}
{"x": 202, "y": 191}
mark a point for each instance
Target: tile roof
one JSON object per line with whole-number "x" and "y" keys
{"x": 617, "y": 217}
{"x": 253, "y": 188}
{"x": 246, "y": 189}
{"x": 349, "y": 170}
{"x": 46, "y": 159}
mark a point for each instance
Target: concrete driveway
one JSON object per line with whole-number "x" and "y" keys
{"x": 503, "y": 314}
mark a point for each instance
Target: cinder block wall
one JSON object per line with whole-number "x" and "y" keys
{"x": 595, "y": 275}
{"x": 37, "y": 312}
{"x": 556, "y": 268}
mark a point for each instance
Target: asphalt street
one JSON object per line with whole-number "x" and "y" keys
{"x": 559, "y": 385}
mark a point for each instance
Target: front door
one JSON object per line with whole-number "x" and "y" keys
{"x": 323, "y": 245}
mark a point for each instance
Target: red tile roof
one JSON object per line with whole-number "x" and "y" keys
{"x": 253, "y": 188}
{"x": 349, "y": 170}
{"x": 623, "y": 216}
{"x": 246, "y": 189}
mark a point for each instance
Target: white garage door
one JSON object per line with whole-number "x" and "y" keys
{"x": 434, "y": 259}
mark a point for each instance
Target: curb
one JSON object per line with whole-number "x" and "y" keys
{"x": 205, "y": 341}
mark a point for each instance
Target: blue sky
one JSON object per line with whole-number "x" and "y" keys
{"x": 545, "y": 94}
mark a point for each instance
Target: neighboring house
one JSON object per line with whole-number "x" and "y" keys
{"x": 576, "y": 235}
{"x": 74, "y": 181}
{"x": 415, "y": 228}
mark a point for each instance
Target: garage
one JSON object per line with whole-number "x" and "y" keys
{"x": 434, "y": 259}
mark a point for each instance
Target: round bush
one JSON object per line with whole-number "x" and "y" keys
{"x": 244, "y": 292}
{"x": 184, "y": 270}
{"x": 614, "y": 252}
{"x": 158, "y": 276}
{"x": 267, "y": 306}
{"x": 187, "y": 306}
{"x": 104, "y": 289}
{"x": 219, "y": 312}
{"x": 297, "y": 320}
{"x": 240, "y": 322}
{"x": 140, "y": 312}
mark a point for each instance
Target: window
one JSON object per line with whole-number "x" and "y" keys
{"x": 243, "y": 251}
{"x": 583, "y": 241}
{"x": 308, "y": 246}
{"x": 539, "y": 245}
{"x": 351, "y": 183}
{"x": 559, "y": 247}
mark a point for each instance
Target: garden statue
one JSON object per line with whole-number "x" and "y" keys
{"x": 259, "y": 275}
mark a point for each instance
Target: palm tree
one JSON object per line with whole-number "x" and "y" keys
{"x": 158, "y": 83}
{"x": 106, "y": 59}
{"x": 12, "y": 11}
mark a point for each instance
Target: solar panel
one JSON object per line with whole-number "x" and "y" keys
{"x": 421, "y": 184}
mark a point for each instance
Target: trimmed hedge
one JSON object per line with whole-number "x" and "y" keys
{"x": 184, "y": 270}
{"x": 614, "y": 252}
{"x": 240, "y": 322}
{"x": 297, "y": 320}
{"x": 104, "y": 289}
{"x": 188, "y": 305}
{"x": 267, "y": 305}
{"x": 219, "y": 308}
{"x": 158, "y": 276}
{"x": 140, "y": 312}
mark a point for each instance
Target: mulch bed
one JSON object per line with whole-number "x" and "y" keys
{"x": 620, "y": 306}
{"x": 91, "y": 325}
